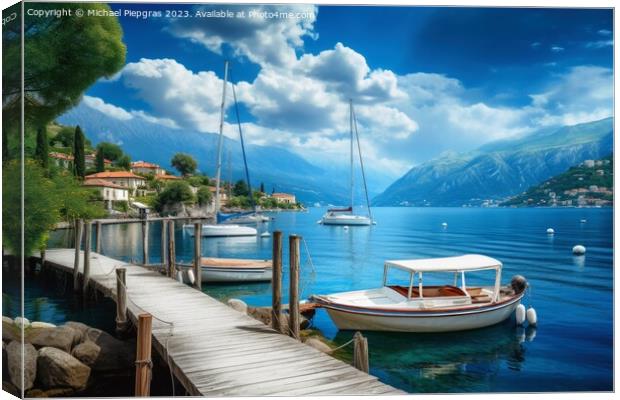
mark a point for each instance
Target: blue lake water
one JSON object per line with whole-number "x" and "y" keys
{"x": 570, "y": 350}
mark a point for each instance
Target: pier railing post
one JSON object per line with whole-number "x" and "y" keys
{"x": 276, "y": 282}
{"x": 98, "y": 242}
{"x": 87, "y": 244}
{"x": 76, "y": 261}
{"x": 360, "y": 352}
{"x": 163, "y": 244}
{"x": 171, "y": 250}
{"x": 197, "y": 255}
{"x": 145, "y": 243}
{"x": 293, "y": 307}
{"x": 121, "y": 301}
{"x": 143, "y": 356}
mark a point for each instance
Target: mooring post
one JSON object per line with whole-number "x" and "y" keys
{"x": 145, "y": 243}
{"x": 87, "y": 244}
{"x": 121, "y": 301}
{"x": 198, "y": 255}
{"x": 163, "y": 244}
{"x": 76, "y": 261}
{"x": 143, "y": 356}
{"x": 293, "y": 303}
{"x": 360, "y": 352}
{"x": 276, "y": 282}
{"x": 98, "y": 242}
{"x": 171, "y": 250}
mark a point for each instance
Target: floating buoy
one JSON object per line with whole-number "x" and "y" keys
{"x": 444, "y": 224}
{"x": 520, "y": 314}
{"x": 180, "y": 276}
{"x": 583, "y": 221}
{"x": 346, "y": 228}
{"x": 532, "y": 318}
{"x": 265, "y": 234}
{"x": 190, "y": 276}
{"x": 579, "y": 250}
{"x": 550, "y": 231}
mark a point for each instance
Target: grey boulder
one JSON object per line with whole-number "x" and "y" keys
{"x": 14, "y": 364}
{"x": 59, "y": 369}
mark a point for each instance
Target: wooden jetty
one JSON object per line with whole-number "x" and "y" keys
{"x": 214, "y": 350}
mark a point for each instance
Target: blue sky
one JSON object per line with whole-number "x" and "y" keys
{"x": 425, "y": 80}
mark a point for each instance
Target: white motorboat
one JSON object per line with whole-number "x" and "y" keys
{"x": 246, "y": 218}
{"x": 428, "y": 308}
{"x": 222, "y": 230}
{"x": 229, "y": 270}
{"x": 346, "y": 216}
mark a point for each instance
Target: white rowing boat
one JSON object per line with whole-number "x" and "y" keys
{"x": 235, "y": 270}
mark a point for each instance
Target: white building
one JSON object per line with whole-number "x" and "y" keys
{"x": 110, "y": 192}
{"x": 121, "y": 178}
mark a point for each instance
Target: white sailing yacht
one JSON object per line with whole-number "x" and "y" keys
{"x": 219, "y": 229}
{"x": 346, "y": 216}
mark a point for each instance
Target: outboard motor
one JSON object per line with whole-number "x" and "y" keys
{"x": 518, "y": 283}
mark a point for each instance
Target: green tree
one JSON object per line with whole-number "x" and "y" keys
{"x": 64, "y": 137}
{"x": 175, "y": 192}
{"x": 204, "y": 196}
{"x": 124, "y": 162}
{"x": 99, "y": 161}
{"x": 184, "y": 163}
{"x": 240, "y": 188}
{"x": 111, "y": 151}
{"x": 41, "y": 212}
{"x": 79, "y": 167}
{"x": 262, "y": 187}
{"x": 75, "y": 200}
{"x": 42, "y": 150}
{"x": 63, "y": 57}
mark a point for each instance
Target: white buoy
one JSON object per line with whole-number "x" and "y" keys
{"x": 190, "y": 276}
{"x": 444, "y": 224}
{"x": 346, "y": 228}
{"x": 520, "y": 314}
{"x": 180, "y": 276}
{"x": 579, "y": 250}
{"x": 583, "y": 221}
{"x": 532, "y": 318}
{"x": 265, "y": 234}
{"x": 550, "y": 231}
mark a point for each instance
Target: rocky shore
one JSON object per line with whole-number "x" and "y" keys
{"x": 62, "y": 360}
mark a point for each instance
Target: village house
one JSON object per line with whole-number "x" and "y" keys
{"x": 166, "y": 177}
{"x": 147, "y": 168}
{"x": 223, "y": 195}
{"x": 110, "y": 192}
{"x": 90, "y": 161}
{"x": 284, "y": 198}
{"x": 61, "y": 160}
{"x": 126, "y": 179}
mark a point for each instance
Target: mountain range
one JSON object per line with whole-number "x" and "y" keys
{"x": 499, "y": 169}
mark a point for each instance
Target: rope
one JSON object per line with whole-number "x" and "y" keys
{"x": 303, "y": 282}
{"x": 342, "y": 346}
{"x": 359, "y": 150}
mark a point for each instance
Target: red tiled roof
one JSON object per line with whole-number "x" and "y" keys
{"x": 282, "y": 195}
{"x": 144, "y": 164}
{"x": 114, "y": 174}
{"x": 94, "y": 156}
{"x": 61, "y": 156}
{"x": 104, "y": 183}
{"x": 167, "y": 177}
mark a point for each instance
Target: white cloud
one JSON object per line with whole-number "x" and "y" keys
{"x": 109, "y": 109}
{"x": 259, "y": 36}
{"x": 599, "y": 44}
{"x": 557, "y": 49}
{"x": 604, "y": 32}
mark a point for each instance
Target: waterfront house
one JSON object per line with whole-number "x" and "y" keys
{"x": 284, "y": 198}
{"x": 126, "y": 179}
{"x": 110, "y": 192}
{"x": 147, "y": 168}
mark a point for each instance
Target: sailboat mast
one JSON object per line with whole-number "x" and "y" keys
{"x": 218, "y": 173}
{"x": 359, "y": 151}
{"x": 351, "y": 129}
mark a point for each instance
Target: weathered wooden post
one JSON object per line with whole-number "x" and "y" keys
{"x": 143, "y": 356}
{"x": 197, "y": 255}
{"x": 145, "y": 243}
{"x": 293, "y": 302}
{"x": 171, "y": 250}
{"x": 76, "y": 261}
{"x": 163, "y": 244}
{"x": 360, "y": 352}
{"x": 98, "y": 242}
{"x": 121, "y": 301}
{"x": 276, "y": 282}
{"x": 87, "y": 244}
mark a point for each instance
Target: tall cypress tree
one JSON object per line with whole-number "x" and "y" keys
{"x": 42, "y": 149}
{"x": 79, "y": 167}
{"x": 99, "y": 160}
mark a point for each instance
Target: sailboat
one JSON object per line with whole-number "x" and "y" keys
{"x": 224, "y": 229}
{"x": 345, "y": 216}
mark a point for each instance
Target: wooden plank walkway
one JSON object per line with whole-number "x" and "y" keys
{"x": 214, "y": 350}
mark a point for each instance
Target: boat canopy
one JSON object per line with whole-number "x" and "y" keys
{"x": 468, "y": 262}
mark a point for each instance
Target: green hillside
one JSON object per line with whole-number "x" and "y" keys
{"x": 587, "y": 184}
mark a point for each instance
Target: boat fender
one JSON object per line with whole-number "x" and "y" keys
{"x": 579, "y": 250}
{"x": 550, "y": 231}
{"x": 191, "y": 277}
{"x": 265, "y": 234}
{"x": 532, "y": 318}
{"x": 180, "y": 276}
{"x": 520, "y": 314}
{"x": 518, "y": 283}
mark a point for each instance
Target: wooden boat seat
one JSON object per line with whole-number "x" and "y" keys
{"x": 480, "y": 299}
{"x": 429, "y": 291}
